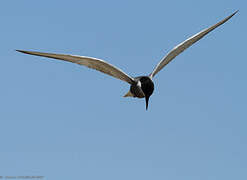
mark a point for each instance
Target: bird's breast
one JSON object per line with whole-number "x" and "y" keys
{"x": 136, "y": 90}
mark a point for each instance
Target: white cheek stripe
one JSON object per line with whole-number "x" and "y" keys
{"x": 139, "y": 84}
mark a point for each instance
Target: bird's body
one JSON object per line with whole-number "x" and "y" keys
{"x": 141, "y": 86}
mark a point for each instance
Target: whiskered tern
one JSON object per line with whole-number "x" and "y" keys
{"x": 141, "y": 86}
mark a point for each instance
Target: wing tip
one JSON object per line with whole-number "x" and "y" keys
{"x": 234, "y": 13}
{"x": 22, "y": 51}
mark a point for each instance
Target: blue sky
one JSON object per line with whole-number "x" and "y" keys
{"x": 64, "y": 121}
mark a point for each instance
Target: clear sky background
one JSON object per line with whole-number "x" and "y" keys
{"x": 64, "y": 121}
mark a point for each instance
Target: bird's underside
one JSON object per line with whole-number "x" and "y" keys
{"x": 140, "y": 86}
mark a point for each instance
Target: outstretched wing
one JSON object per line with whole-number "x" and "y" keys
{"x": 184, "y": 45}
{"x": 90, "y": 62}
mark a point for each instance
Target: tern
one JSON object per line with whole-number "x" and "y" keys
{"x": 141, "y": 86}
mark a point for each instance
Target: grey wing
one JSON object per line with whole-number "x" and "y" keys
{"x": 90, "y": 62}
{"x": 184, "y": 45}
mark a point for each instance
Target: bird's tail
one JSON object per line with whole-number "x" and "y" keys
{"x": 128, "y": 94}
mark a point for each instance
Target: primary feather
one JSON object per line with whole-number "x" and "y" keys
{"x": 184, "y": 45}
{"x": 90, "y": 62}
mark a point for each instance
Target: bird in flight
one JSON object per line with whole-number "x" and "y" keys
{"x": 141, "y": 86}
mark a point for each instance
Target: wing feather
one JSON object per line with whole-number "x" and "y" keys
{"x": 90, "y": 62}
{"x": 184, "y": 45}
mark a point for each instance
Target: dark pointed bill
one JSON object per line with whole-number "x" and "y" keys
{"x": 147, "y": 99}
